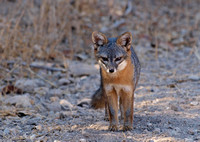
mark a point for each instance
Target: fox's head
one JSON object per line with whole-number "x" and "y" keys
{"x": 111, "y": 53}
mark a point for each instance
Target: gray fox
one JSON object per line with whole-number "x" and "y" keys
{"x": 120, "y": 71}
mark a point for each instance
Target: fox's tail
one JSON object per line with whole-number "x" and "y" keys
{"x": 98, "y": 99}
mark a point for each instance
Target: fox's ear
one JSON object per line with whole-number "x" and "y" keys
{"x": 98, "y": 39}
{"x": 125, "y": 40}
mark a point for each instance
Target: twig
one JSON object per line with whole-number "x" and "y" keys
{"x": 10, "y": 72}
{"x": 52, "y": 84}
{"x": 129, "y": 8}
{"x": 39, "y": 66}
{"x": 196, "y": 52}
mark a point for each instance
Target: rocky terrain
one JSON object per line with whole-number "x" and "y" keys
{"x": 47, "y": 99}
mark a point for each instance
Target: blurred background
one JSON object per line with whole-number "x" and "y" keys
{"x": 55, "y": 30}
{"x": 48, "y": 71}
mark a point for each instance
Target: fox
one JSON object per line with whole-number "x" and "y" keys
{"x": 119, "y": 76}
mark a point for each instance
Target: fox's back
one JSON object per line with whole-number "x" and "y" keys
{"x": 137, "y": 66}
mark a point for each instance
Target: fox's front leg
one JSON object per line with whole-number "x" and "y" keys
{"x": 106, "y": 111}
{"x": 113, "y": 110}
{"x": 127, "y": 99}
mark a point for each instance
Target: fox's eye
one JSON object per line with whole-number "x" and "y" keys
{"x": 118, "y": 59}
{"x": 104, "y": 58}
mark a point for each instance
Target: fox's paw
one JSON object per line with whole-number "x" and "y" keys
{"x": 127, "y": 128}
{"x": 113, "y": 128}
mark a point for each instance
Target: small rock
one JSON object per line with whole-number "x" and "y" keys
{"x": 197, "y": 138}
{"x": 194, "y": 77}
{"x": 55, "y": 92}
{"x": 191, "y": 132}
{"x": 65, "y": 114}
{"x": 188, "y": 140}
{"x": 157, "y": 130}
{"x": 129, "y": 137}
{"x": 174, "y": 108}
{"x": 14, "y": 131}
{"x": 41, "y": 90}
{"x": 63, "y": 81}
{"x": 38, "y": 127}
{"x": 65, "y": 105}
{"x": 177, "y": 129}
{"x": 19, "y": 100}
{"x": 194, "y": 103}
{"x": 55, "y": 106}
{"x": 27, "y": 85}
{"x": 54, "y": 99}
{"x": 6, "y": 131}
{"x": 82, "y": 140}
{"x": 129, "y": 133}
{"x": 173, "y": 132}
{"x": 84, "y": 102}
{"x": 81, "y": 69}
{"x": 81, "y": 56}
{"x": 32, "y": 137}
{"x": 85, "y": 134}
{"x": 149, "y": 124}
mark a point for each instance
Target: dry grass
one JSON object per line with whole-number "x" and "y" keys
{"x": 53, "y": 30}
{"x": 37, "y": 32}
{"x": 44, "y": 31}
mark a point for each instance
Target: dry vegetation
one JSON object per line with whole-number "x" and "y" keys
{"x": 51, "y": 30}
{"x": 47, "y": 43}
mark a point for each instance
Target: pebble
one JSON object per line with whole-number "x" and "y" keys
{"x": 54, "y": 99}
{"x": 194, "y": 77}
{"x": 65, "y": 105}
{"x": 81, "y": 69}
{"x": 82, "y": 140}
{"x": 177, "y": 129}
{"x": 38, "y": 127}
{"x": 129, "y": 137}
{"x": 6, "y": 131}
{"x": 19, "y": 100}
{"x": 84, "y": 102}
{"x": 32, "y": 137}
{"x": 157, "y": 130}
{"x": 41, "y": 90}
{"x": 176, "y": 108}
{"x": 54, "y": 106}
{"x": 55, "y": 92}
{"x": 63, "y": 81}
{"x": 173, "y": 132}
{"x": 194, "y": 103}
{"x": 191, "y": 132}
{"x": 28, "y": 85}
{"x": 188, "y": 140}
{"x": 149, "y": 124}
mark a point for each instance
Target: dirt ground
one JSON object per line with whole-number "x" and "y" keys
{"x": 166, "y": 104}
{"x": 51, "y": 103}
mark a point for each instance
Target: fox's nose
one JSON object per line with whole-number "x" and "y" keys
{"x": 111, "y": 70}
